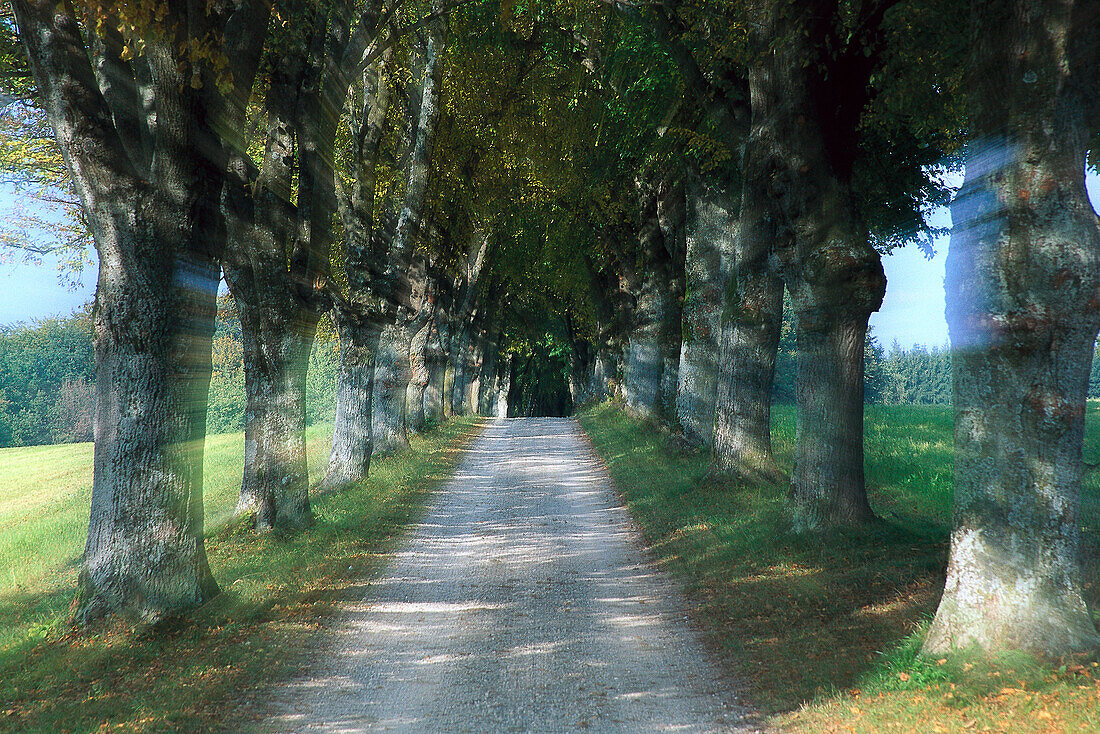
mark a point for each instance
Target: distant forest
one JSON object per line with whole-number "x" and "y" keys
{"x": 46, "y": 372}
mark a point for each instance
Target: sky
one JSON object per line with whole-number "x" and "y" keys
{"x": 911, "y": 313}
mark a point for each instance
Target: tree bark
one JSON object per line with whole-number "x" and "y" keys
{"x": 711, "y": 227}
{"x": 435, "y": 408}
{"x": 391, "y": 381}
{"x": 420, "y": 374}
{"x": 277, "y": 262}
{"x": 1023, "y": 278}
{"x": 671, "y": 217}
{"x": 352, "y": 445}
{"x": 487, "y": 385}
{"x": 833, "y": 274}
{"x": 277, "y": 337}
{"x": 504, "y": 386}
{"x": 752, "y": 307}
{"x": 648, "y": 343}
{"x": 151, "y": 203}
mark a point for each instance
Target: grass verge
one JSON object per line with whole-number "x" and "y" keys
{"x": 824, "y": 629}
{"x": 200, "y": 674}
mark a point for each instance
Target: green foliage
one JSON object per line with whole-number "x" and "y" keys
{"x": 917, "y": 376}
{"x": 46, "y": 372}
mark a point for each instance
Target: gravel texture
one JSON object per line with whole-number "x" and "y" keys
{"x": 520, "y": 603}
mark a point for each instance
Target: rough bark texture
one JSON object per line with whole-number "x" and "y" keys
{"x": 751, "y": 316}
{"x": 128, "y": 133}
{"x": 392, "y": 367}
{"x": 419, "y": 375}
{"x": 605, "y": 380}
{"x": 277, "y": 261}
{"x": 605, "y": 373}
{"x": 710, "y": 229}
{"x": 649, "y": 344}
{"x": 832, "y": 272}
{"x": 435, "y": 407}
{"x": 487, "y": 385}
{"x": 275, "y": 484}
{"x": 1023, "y": 308}
{"x": 384, "y": 303}
{"x": 391, "y": 381}
{"x": 351, "y": 439}
{"x": 671, "y": 217}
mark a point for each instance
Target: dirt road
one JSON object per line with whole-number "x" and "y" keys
{"x": 521, "y": 602}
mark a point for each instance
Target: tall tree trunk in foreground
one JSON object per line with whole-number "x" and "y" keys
{"x": 1023, "y": 275}
{"x": 131, "y": 140}
{"x": 832, "y": 272}
{"x": 710, "y": 227}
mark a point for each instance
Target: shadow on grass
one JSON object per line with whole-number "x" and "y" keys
{"x": 798, "y": 616}
{"x": 817, "y": 617}
{"x": 201, "y": 672}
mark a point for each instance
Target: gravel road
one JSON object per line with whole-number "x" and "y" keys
{"x": 521, "y": 603}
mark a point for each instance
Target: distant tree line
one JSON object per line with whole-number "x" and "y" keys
{"x": 47, "y": 374}
{"x": 47, "y": 379}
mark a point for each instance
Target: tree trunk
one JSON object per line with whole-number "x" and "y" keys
{"x": 835, "y": 279}
{"x": 145, "y": 551}
{"x": 671, "y": 216}
{"x": 473, "y": 372}
{"x": 149, "y": 193}
{"x": 487, "y": 385}
{"x": 1023, "y": 271}
{"x": 391, "y": 381}
{"x": 436, "y": 357}
{"x": 711, "y": 227}
{"x": 752, "y": 307}
{"x": 605, "y": 373}
{"x": 352, "y": 447}
{"x": 648, "y": 344}
{"x": 504, "y": 386}
{"x": 419, "y": 378}
{"x": 277, "y": 335}
{"x": 459, "y": 369}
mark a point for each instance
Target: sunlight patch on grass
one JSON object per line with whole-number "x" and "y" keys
{"x": 199, "y": 673}
{"x": 825, "y": 629}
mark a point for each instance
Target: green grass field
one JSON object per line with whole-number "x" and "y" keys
{"x": 824, "y": 629}
{"x": 195, "y": 676}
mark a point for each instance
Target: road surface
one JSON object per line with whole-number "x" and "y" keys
{"x": 522, "y": 602}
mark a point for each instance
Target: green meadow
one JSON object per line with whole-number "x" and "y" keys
{"x": 197, "y": 674}
{"x": 823, "y": 630}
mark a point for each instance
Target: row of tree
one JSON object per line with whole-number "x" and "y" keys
{"x": 509, "y": 208}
